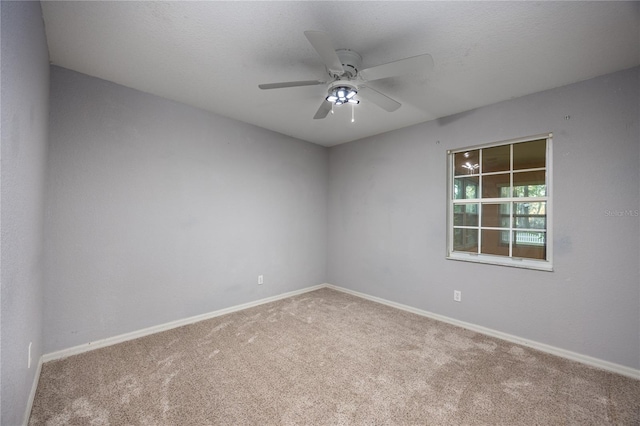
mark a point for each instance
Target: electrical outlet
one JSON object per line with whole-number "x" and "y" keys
{"x": 260, "y": 279}
{"x": 29, "y": 361}
{"x": 457, "y": 295}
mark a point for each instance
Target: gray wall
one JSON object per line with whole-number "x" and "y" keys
{"x": 387, "y": 215}
{"x": 25, "y": 103}
{"x": 157, "y": 211}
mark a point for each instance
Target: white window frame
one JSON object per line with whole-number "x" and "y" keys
{"x": 539, "y": 264}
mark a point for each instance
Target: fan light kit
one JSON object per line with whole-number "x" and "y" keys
{"x": 346, "y": 78}
{"x": 342, "y": 94}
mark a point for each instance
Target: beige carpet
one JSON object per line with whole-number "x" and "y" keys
{"x": 327, "y": 358}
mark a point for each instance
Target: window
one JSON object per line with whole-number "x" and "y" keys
{"x": 499, "y": 203}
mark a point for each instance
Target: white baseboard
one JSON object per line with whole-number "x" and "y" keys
{"x": 574, "y": 356}
{"x": 32, "y": 394}
{"x": 168, "y": 326}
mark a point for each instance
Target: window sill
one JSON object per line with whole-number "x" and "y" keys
{"x": 540, "y": 265}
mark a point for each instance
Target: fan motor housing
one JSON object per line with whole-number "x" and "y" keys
{"x": 341, "y": 83}
{"x": 351, "y": 62}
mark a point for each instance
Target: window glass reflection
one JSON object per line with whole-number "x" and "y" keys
{"x": 465, "y": 215}
{"x": 496, "y": 159}
{"x": 496, "y": 215}
{"x": 530, "y": 184}
{"x": 495, "y": 242}
{"x": 530, "y": 215}
{"x": 467, "y": 163}
{"x": 466, "y": 187}
{"x": 495, "y": 186}
{"x": 465, "y": 240}
{"x": 529, "y": 155}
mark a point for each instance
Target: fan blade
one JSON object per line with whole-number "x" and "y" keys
{"x": 322, "y": 44}
{"x": 322, "y": 112}
{"x": 415, "y": 64}
{"x": 383, "y": 101}
{"x": 290, "y": 84}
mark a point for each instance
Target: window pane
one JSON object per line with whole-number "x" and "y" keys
{"x": 465, "y": 240}
{"x": 529, "y": 155}
{"x": 465, "y": 215}
{"x": 529, "y": 184}
{"x": 465, "y": 187}
{"x": 496, "y": 215}
{"x": 495, "y": 242}
{"x": 499, "y": 201}
{"x": 531, "y": 245}
{"x": 495, "y": 186}
{"x": 466, "y": 163}
{"x": 530, "y": 215}
{"x": 496, "y": 159}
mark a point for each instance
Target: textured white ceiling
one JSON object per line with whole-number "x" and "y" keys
{"x": 214, "y": 54}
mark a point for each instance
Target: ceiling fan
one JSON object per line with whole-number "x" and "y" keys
{"x": 346, "y": 79}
